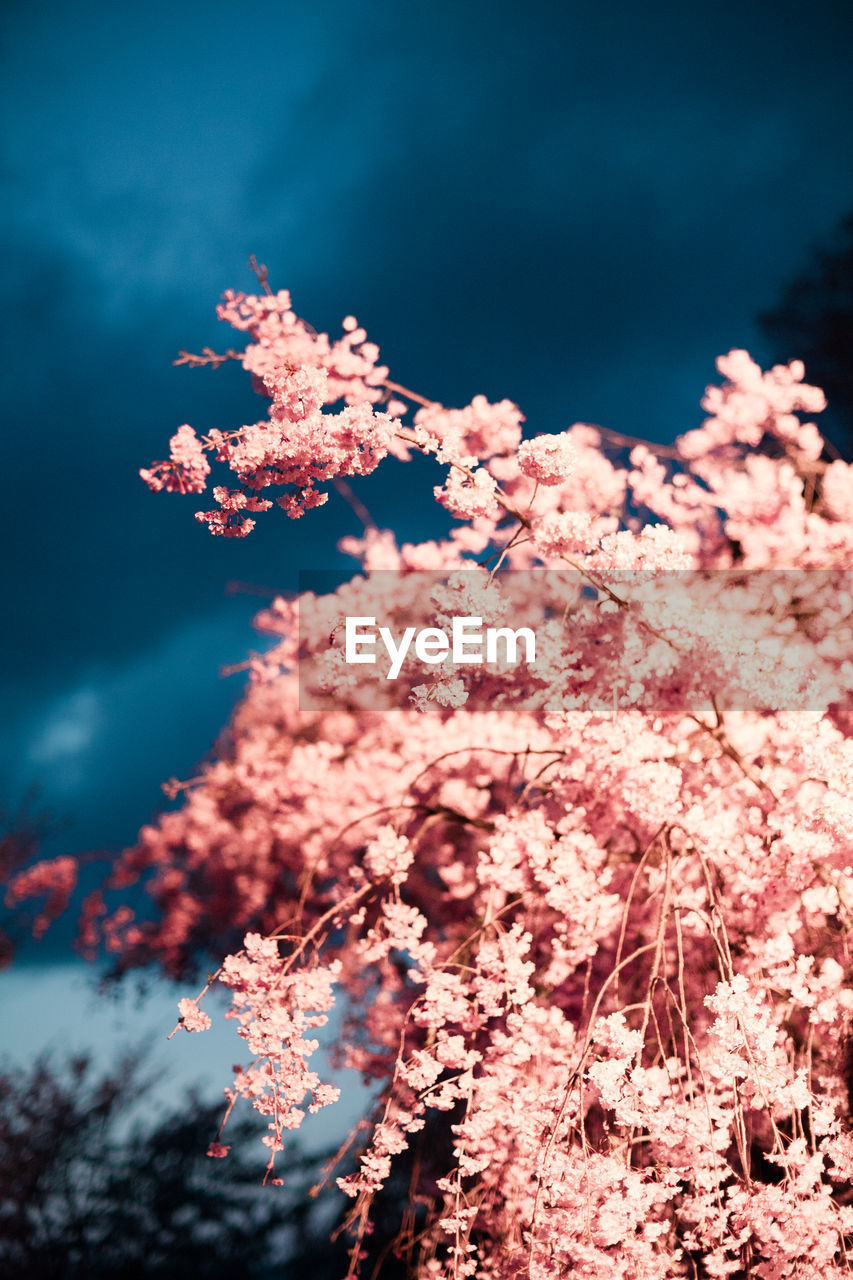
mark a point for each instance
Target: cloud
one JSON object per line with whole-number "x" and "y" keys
{"x": 66, "y": 735}
{"x": 100, "y": 749}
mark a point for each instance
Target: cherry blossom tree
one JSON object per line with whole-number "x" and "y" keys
{"x": 592, "y": 915}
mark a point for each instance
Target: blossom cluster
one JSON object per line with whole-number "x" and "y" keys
{"x": 53, "y": 880}
{"x": 604, "y": 941}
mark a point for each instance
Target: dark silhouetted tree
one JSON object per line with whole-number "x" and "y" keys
{"x": 86, "y": 1191}
{"x": 813, "y": 322}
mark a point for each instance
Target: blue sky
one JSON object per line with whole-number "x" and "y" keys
{"x": 574, "y": 205}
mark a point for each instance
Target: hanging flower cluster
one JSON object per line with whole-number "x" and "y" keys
{"x": 596, "y": 915}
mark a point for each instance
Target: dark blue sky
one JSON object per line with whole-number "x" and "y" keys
{"x": 574, "y": 205}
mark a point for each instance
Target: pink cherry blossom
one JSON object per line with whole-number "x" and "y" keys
{"x": 594, "y": 915}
